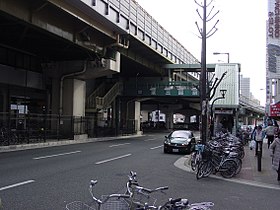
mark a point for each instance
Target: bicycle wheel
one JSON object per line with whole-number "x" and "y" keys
{"x": 194, "y": 161}
{"x": 239, "y": 165}
{"x": 208, "y": 169}
{"x": 228, "y": 169}
{"x": 204, "y": 169}
{"x": 199, "y": 172}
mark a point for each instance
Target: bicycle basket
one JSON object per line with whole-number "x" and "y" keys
{"x": 78, "y": 205}
{"x": 199, "y": 147}
{"x": 114, "y": 203}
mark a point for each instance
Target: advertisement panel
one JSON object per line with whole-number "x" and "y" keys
{"x": 273, "y": 38}
{"x": 275, "y": 110}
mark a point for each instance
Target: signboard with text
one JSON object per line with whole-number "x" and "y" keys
{"x": 275, "y": 110}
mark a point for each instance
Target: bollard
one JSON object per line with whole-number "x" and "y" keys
{"x": 259, "y": 161}
{"x": 259, "y": 156}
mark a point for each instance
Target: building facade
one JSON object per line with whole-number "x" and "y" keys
{"x": 273, "y": 54}
{"x": 245, "y": 86}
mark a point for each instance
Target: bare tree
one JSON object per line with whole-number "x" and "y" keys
{"x": 204, "y": 34}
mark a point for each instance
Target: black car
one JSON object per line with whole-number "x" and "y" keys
{"x": 179, "y": 141}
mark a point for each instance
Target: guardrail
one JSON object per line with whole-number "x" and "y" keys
{"x": 251, "y": 104}
{"x": 133, "y": 19}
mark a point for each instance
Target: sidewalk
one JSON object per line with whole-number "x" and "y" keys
{"x": 249, "y": 173}
{"x": 250, "y": 167}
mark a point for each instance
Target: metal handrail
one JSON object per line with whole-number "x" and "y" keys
{"x": 109, "y": 97}
{"x": 91, "y": 100}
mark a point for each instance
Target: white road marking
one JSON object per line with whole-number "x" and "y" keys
{"x": 56, "y": 155}
{"x": 150, "y": 139}
{"x": 17, "y": 184}
{"x": 111, "y": 159}
{"x": 157, "y": 147}
{"x": 116, "y": 145}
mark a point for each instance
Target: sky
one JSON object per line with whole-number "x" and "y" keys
{"x": 241, "y": 33}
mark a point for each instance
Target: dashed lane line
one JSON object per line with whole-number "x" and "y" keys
{"x": 117, "y": 145}
{"x": 112, "y": 159}
{"x": 150, "y": 139}
{"x": 56, "y": 155}
{"x": 16, "y": 185}
{"x": 157, "y": 147}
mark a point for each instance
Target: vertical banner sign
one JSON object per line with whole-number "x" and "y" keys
{"x": 274, "y": 19}
{"x": 273, "y": 35}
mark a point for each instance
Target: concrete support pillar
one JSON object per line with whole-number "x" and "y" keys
{"x": 133, "y": 114}
{"x": 169, "y": 120}
{"x": 73, "y": 104}
{"x": 4, "y": 100}
{"x": 74, "y": 97}
{"x": 117, "y": 115}
{"x": 55, "y": 96}
{"x": 137, "y": 116}
{"x": 145, "y": 115}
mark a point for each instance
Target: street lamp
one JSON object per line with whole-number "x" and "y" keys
{"x": 219, "y": 53}
{"x": 223, "y": 93}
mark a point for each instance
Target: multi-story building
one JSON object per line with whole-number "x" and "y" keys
{"x": 273, "y": 53}
{"x": 245, "y": 86}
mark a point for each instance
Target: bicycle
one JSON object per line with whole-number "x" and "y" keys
{"x": 140, "y": 196}
{"x": 214, "y": 162}
{"x": 135, "y": 197}
{"x": 179, "y": 204}
{"x": 196, "y": 156}
{"x": 106, "y": 202}
{"x": 135, "y": 190}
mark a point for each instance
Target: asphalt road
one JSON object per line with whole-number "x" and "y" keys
{"x": 49, "y": 178}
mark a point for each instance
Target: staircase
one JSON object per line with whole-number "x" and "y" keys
{"x": 100, "y": 99}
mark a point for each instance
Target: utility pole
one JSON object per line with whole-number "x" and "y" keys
{"x": 203, "y": 75}
{"x": 203, "y": 81}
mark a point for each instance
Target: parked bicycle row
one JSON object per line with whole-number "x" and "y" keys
{"x": 135, "y": 197}
{"x": 223, "y": 154}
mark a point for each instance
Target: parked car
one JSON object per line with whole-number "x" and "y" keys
{"x": 179, "y": 141}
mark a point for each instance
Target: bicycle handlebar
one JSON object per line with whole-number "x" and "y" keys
{"x": 151, "y": 190}
{"x": 93, "y": 183}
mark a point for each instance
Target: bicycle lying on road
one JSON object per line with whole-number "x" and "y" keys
{"x": 180, "y": 204}
{"x": 135, "y": 197}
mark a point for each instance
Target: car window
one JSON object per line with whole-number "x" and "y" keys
{"x": 184, "y": 134}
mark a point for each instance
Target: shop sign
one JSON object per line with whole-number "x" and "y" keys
{"x": 275, "y": 110}
{"x": 274, "y": 20}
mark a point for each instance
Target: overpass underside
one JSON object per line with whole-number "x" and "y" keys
{"x": 66, "y": 66}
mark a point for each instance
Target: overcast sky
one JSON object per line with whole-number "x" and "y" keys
{"x": 241, "y": 33}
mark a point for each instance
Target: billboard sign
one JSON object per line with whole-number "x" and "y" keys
{"x": 275, "y": 110}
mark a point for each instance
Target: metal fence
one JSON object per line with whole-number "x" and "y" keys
{"x": 35, "y": 128}
{"x": 32, "y": 128}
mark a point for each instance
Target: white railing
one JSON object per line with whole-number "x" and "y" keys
{"x": 243, "y": 100}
